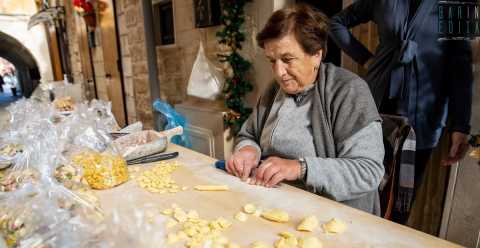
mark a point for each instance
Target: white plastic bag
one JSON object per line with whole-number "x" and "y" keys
{"x": 206, "y": 81}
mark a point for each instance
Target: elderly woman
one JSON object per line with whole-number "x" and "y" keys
{"x": 317, "y": 126}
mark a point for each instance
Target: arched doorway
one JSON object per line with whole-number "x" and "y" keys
{"x": 10, "y": 89}
{"x": 26, "y": 67}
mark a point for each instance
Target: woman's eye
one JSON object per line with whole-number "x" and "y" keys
{"x": 287, "y": 60}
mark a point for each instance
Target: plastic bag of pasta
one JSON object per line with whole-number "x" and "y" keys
{"x": 10, "y": 152}
{"x": 102, "y": 170}
{"x": 27, "y": 211}
{"x": 15, "y": 179}
{"x": 47, "y": 216}
{"x": 70, "y": 175}
{"x": 101, "y": 112}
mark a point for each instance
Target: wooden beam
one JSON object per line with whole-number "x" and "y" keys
{"x": 110, "y": 59}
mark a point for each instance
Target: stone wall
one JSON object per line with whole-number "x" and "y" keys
{"x": 133, "y": 56}
{"x": 175, "y": 61}
{"x": 134, "y": 61}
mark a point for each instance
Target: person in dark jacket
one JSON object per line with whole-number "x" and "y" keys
{"x": 412, "y": 73}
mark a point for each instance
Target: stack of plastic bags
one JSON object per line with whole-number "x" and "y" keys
{"x": 49, "y": 162}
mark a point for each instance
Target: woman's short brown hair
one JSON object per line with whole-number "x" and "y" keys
{"x": 310, "y": 27}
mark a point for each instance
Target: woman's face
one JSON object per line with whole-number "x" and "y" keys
{"x": 293, "y": 69}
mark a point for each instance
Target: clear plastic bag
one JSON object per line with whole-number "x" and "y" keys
{"x": 102, "y": 170}
{"x": 93, "y": 139}
{"x": 41, "y": 214}
{"x": 133, "y": 226}
{"x": 9, "y": 153}
{"x": 139, "y": 144}
{"x": 70, "y": 175}
{"x": 101, "y": 112}
{"x": 206, "y": 80}
{"x": 16, "y": 179}
{"x": 25, "y": 114}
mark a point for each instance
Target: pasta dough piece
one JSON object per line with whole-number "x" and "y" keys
{"x": 159, "y": 179}
{"x": 180, "y": 216}
{"x": 211, "y": 187}
{"x": 233, "y": 245}
{"x": 257, "y": 213}
{"x": 223, "y": 222}
{"x": 241, "y": 216}
{"x": 309, "y": 242}
{"x": 308, "y": 224}
{"x": 280, "y": 243}
{"x": 285, "y": 234}
{"x": 167, "y": 211}
{"x": 192, "y": 214}
{"x": 259, "y": 244}
{"x": 276, "y": 215}
{"x": 171, "y": 223}
{"x": 289, "y": 239}
{"x": 249, "y": 208}
{"x": 335, "y": 226}
{"x": 195, "y": 231}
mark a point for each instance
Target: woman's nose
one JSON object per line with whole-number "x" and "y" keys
{"x": 279, "y": 69}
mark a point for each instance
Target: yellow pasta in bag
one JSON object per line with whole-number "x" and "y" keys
{"x": 102, "y": 170}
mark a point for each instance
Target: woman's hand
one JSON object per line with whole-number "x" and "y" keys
{"x": 274, "y": 170}
{"x": 458, "y": 148}
{"x": 242, "y": 162}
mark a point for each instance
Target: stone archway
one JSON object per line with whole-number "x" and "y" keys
{"x": 23, "y": 60}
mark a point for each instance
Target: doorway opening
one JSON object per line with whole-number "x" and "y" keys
{"x": 10, "y": 89}
{"x": 18, "y": 69}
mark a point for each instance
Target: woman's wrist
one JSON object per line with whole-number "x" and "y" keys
{"x": 303, "y": 168}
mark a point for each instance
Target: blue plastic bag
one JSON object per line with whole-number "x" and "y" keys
{"x": 174, "y": 119}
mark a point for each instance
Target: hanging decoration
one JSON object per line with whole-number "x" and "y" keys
{"x": 235, "y": 67}
{"x": 87, "y": 11}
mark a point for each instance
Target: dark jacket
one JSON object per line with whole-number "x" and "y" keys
{"x": 430, "y": 77}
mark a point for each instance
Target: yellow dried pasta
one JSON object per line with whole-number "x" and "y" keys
{"x": 158, "y": 179}
{"x": 102, "y": 170}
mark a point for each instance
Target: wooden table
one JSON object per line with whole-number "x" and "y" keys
{"x": 364, "y": 230}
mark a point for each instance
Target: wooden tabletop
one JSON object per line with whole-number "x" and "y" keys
{"x": 363, "y": 229}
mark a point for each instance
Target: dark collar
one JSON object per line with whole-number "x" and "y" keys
{"x": 298, "y": 98}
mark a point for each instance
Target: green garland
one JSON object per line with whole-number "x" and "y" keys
{"x": 236, "y": 83}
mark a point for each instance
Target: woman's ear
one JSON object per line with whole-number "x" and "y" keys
{"x": 317, "y": 57}
{"x": 319, "y": 54}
